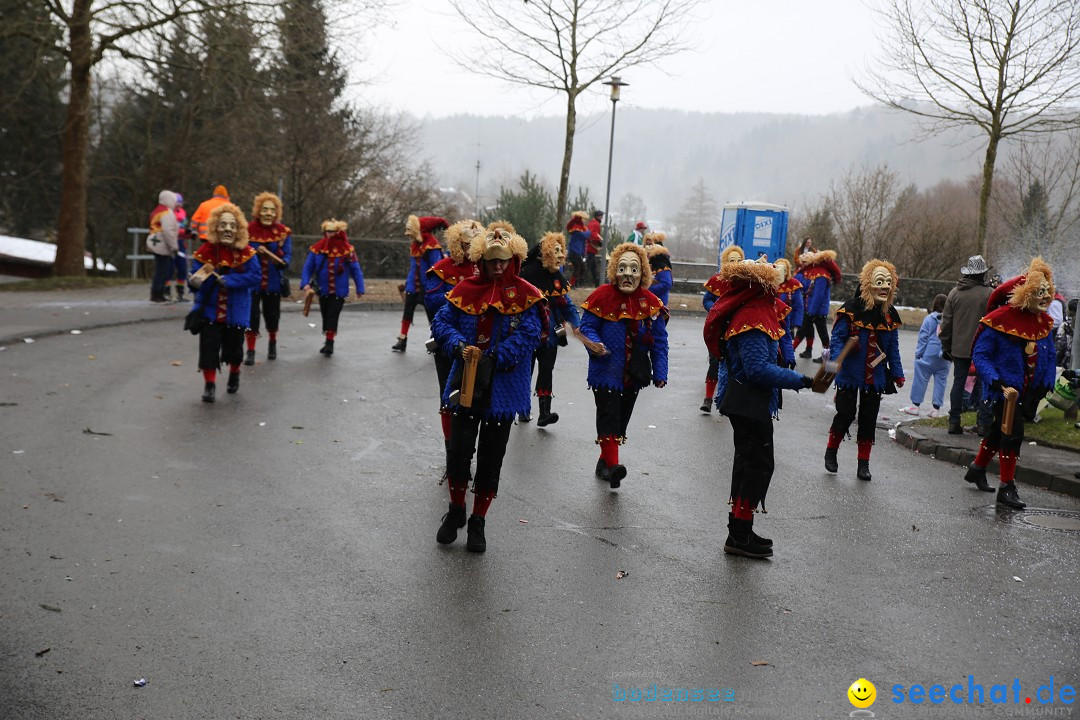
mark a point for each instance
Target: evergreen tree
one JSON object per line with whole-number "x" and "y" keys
{"x": 1034, "y": 219}
{"x": 530, "y": 209}
{"x": 698, "y": 223}
{"x": 31, "y": 121}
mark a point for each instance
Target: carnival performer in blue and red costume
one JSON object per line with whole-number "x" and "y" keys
{"x": 329, "y": 265}
{"x": 628, "y": 350}
{"x": 579, "y": 235}
{"x": 441, "y": 278}
{"x": 223, "y": 273}
{"x": 713, "y": 286}
{"x": 870, "y": 371}
{"x": 1013, "y": 352}
{"x": 819, "y": 273}
{"x": 499, "y": 313}
{"x": 745, "y": 328}
{"x": 272, "y": 242}
{"x": 543, "y": 269}
{"x": 790, "y": 293}
{"x": 660, "y": 262}
{"x": 424, "y": 252}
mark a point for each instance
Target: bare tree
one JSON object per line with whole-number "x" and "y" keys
{"x": 1006, "y": 67}
{"x": 567, "y": 46}
{"x": 865, "y": 207}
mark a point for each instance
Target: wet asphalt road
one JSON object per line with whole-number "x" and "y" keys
{"x": 289, "y": 570}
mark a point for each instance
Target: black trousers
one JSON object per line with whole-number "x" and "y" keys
{"x": 267, "y": 305}
{"x": 752, "y": 466}
{"x": 412, "y": 299}
{"x": 869, "y": 402}
{"x": 713, "y": 373}
{"x": 545, "y": 364}
{"x": 220, "y": 343}
{"x": 997, "y": 440}
{"x": 594, "y": 269}
{"x": 984, "y": 410}
{"x": 810, "y": 322}
{"x": 577, "y": 262}
{"x": 465, "y": 429}
{"x": 330, "y": 309}
{"x": 613, "y": 411}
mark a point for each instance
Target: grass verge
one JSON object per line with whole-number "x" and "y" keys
{"x": 1053, "y": 430}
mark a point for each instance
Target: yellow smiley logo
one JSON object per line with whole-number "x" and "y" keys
{"x": 862, "y": 693}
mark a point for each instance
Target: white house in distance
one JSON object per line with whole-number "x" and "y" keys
{"x": 32, "y": 259}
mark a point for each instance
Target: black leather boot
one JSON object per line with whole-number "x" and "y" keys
{"x": 208, "y": 392}
{"x": 863, "y": 471}
{"x": 271, "y": 350}
{"x": 233, "y": 384}
{"x": 180, "y": 294}
{"x": 328, "y": 348}
{"x": 955, "y": 428}
{"x": 600, "y": 468}
{"x": 977, "y": 476}
{"x": 546, "y": 416}
{"x": 476, "y": 541}
{"x": 706, "y": 406}
{"x": 767, "y": 542}
{"x": 613, "y": 475}
{"x": 399, "y": 346}
{"x": 830, "y": 460}
{"x": 1006, "y": 495}
{"x": 740, "y": 540}
{"x": 452, "y": 521}
{"x": 249, "y": 357}
{"x": 807, "y": 353}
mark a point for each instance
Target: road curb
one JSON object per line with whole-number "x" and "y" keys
{"x": 913, "y": 440}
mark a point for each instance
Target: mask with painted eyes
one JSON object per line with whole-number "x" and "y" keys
{"x": 881, "y": 285}
{"x": 628, "y": 273}
{"x": 1039, "y": 301}
{"x": 781, "y": 270}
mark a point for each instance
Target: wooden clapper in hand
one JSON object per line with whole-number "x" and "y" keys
{"x": 827, "y": 372}
{"x": 470, "y": 356}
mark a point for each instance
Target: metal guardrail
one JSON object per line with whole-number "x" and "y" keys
{"x": 135, "y": 255}
{"x": 692, "y": 272}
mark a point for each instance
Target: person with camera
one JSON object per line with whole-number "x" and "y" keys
{"x": 543, "y": 269}
{"x": 628, "y": 350}
{"x": 490, "y": 326}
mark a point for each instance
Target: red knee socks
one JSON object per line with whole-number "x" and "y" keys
{"x": 209, "y": 376}
{"x": 1007, "y": 463}
{"x": 405, "y": 327}
{"x": 273, "y": 335}
{"x": 457, "y": 492}
{"x": 864, "y": 449}
{"x": 250, "y": 336}
{"x": 810, "y": 343}
{"x": 710, "y": 387}
{"x": 609, "y": 450}
{"x": 741, "y": 509}
{"x": 481, "y": 502}
{"x": 447, "y": 422}
{"x": 835, "y": 439}
{"x": 986, "y": 454}
{"x": 331, "y": 334}
{"x": 234, "y": 368}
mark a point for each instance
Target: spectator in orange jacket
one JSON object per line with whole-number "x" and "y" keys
{"x": 202, "y": 214}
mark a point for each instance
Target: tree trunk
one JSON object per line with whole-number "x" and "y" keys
{"x": 71, "y": 229}
{"x": 984, "y": 191}
{"x": 568, "y": 153}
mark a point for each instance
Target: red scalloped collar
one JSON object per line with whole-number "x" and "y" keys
{"x": 474, "y": 295}
{"x": 789, "y": 286}
{"x": 259, "y": 233}
{"x": 1019, "y": 323}
{"x": 221, "y": 256}
{"x": 608, "y": 303}
{"x": 417, "y": 249}
{"x": 826, "y": 269}
{"x": 334, "y": 246}
{"x": 451, "y": 272}
{"x": 716, "y": 285}
{"x": 742, "y": 309}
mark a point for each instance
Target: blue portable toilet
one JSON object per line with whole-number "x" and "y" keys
{"x": 756, "y": 227}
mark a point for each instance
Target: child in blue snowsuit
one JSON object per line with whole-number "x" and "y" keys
{"x": 929, "y": 363}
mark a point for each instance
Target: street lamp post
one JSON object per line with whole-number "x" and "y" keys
{"x": 616, "y": 84}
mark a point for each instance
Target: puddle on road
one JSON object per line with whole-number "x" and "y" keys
{"x": 1045, "y": 519}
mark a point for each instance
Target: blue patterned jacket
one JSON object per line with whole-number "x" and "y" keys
{"x": 317, "y": 268}
{"x": 1000, "y": 356}
{"x": 877, "y": 333}
{"x": 238, "y": 278}
{"x": 750, "y": 358}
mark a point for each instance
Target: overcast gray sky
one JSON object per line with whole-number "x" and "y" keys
{"x": 753, "y": 55}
